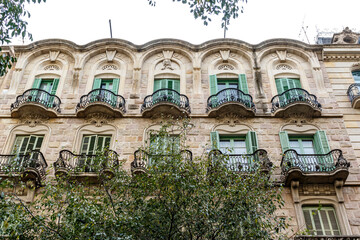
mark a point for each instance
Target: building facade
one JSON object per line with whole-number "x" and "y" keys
{"x": 296, "y": 102}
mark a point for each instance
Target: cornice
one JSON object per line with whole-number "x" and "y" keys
{"x": 166, "y": 42}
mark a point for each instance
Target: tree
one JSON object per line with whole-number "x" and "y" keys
{"x": 12, "y": 24}
{"x": 171, "y": 196}
{"x": 203, "y": 9}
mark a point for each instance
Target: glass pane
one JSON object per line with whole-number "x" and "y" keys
{"x": 308, "y": 221}
{"x": 294, "y": 144}
{"x": 221, "y": 86}
{"x": 225, "y": 146}
{"x": 239, "y": 147}
{"x": 333, "y": 222}
{"x": 316, "y": 217}
{"x": 308, "y": 147}
{"x": 325, "y": 222}
{"x": 46, "y": 85}
{"x": 85, "y": 144}
{"x": 24, "y": 145}
{"x": 39, "y": 142}
{"x": 233, "y": 85}
{"x": 356, "y": 75}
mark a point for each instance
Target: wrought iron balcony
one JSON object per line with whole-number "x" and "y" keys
{"x": 327, "y": 237}
{"x": 29, "y": 166}
{"x": 101, "y": 100}
{"x": 167, "y": 101}
{"x": 354, "y": 94}
{"x": 143, "y": 159}
{"x": 36, "y": 100}
{"x": 319, "y": 168}
{"x": 295, "y": 100}
{"x": 243, "y": 162}
{"x": 230, "y": 100}
{"x": 69, "y": 162}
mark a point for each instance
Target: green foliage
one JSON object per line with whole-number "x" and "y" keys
{"x": 176, "y": 197}
{"x": 12, "y": 24}
{"x": 203, "y": 9}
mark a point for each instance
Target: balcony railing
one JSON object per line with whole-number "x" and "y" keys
{"x": 310, "y": 163}
{"x": 229, "y": 95}
{"x": 327, "y": 237}
{"x": 294, "y": 95}
{"x": 166, "y": 96}
{"x": 102, "y": 96}
{"x": 142, "y": 159}
{"x": 353, "y": 91}
{"x": 243, "y": 162}
{"x": 38, "y": 96}
{"x": 86, "y": 163}
{"x": 19, "y": 164}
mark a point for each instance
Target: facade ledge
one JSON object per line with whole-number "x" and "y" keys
{"x": 327, "y": 237}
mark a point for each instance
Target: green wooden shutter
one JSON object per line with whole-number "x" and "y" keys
{"x": 251, "y": 142}
{"x": 54, "y": 86}
{"x": 97, "y": 83}
{"x": 321, "y": 143}
{"x": 213, "y": 85}
{"x": 215, "y": 140}
{"x": 297, "y": 83}
{"x": 157, "y": 84}
{"x": 284, "y": 140}
{"x": 37, "y": 83}
{"x": 88, "y": 144}
{"x": 279, "y": 87}
{"x": 116, "y": 82}
{"x": 243, "y": 86}
{"x": 176, "y": 85}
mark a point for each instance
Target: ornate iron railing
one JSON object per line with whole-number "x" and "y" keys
{"x": 353, "y": 91}
{"x": 242, "y": 162}
{"x": 230, "y": 95}
{"x": 327, "y": 237}
{"x": 292, "y": 96}
{"x": 104, "y": 96}
{"x": 86, "y": 163}
{"x": 13, "y": 163}
{"x": 143, "y": 159}
{"x": 166, "y": 96}
{"x": 313, "y": 162}
{"x": 35, "y": 95}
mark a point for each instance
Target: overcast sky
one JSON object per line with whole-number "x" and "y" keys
{"x": 83, "y": 21}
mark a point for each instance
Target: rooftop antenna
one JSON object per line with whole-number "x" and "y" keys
{"x": 110, "y": 28}
{"x": 303, "y": 29}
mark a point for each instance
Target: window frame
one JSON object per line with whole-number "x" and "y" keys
{"x": 327, "y": 207}
{"x": 95, "y": 149}
{"x": 232, "y": 138}
{"x": 300, "y": 139}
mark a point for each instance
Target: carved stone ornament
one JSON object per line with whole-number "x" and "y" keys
{"x": 226, "y": 67}
{"x": 76, "y": 74}
{"x": 281, "y": 55}
{"x": 167, "y": 60}
{"x": 346, "y": 37}
{"x": 231, "y": 119}
{"x": 52, "y": 67}
{"x": 110, "y": 55}
{"x": 99, "y": 119}
{"x": 225, "y": 54}
{"x": 53, "y": 55}
{"x": 33, "y": 119}
{"x": 317, "y": 189}
{"x": 283, "y": 67}
{"x": 299, "y": 119}
{"x": 109, "y": 67}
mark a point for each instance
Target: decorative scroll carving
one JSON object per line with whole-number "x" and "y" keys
{"x": 53, "y": 55}
{"x": 231, "y": 119}
{"x": 33, "y": 119}
{"x": 110, "y": 55}
{"x": 52, "y": 67}
{"x": 99, "y": 119}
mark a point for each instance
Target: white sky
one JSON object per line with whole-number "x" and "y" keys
{"x": 83, "y": 21}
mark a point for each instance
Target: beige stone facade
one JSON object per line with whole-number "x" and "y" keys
{"x": 323, "y": 70}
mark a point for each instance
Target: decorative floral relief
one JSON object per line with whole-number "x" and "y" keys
{"x": 109, "y": 67}
{"x": 225, "y": 67}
